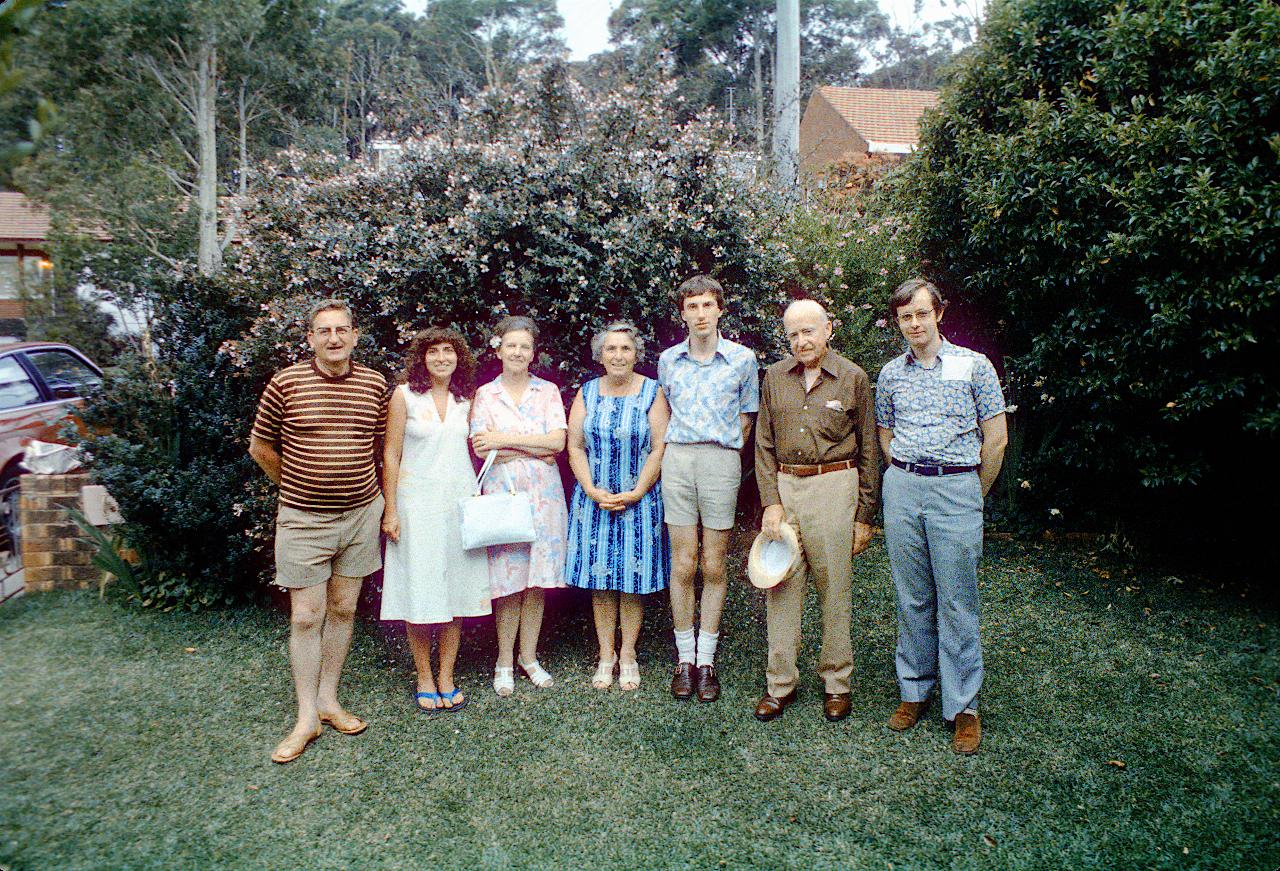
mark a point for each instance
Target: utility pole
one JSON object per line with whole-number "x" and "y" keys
{"x": 786, "y": 94}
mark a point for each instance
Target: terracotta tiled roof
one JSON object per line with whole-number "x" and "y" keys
{"x": 22, "y": 220}
{"x": 881, "y": 114}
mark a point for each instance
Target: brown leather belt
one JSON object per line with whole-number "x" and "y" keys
{"x": 820, "y": 469}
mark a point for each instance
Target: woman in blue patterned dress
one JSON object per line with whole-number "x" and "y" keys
{"x": 617, "y": 541}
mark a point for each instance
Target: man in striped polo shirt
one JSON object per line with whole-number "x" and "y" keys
{"x": 315, "y": 434}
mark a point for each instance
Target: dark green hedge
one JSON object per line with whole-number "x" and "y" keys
{"x": 1103, "y": 181}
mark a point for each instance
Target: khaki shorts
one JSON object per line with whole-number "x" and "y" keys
{"x": 700, "y": 482}
{"x": 313, "y": 546}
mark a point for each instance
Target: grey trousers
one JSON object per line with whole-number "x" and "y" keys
{"x": 933, "y": 532}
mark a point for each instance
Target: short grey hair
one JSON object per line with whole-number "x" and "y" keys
{"x": 625, "y": 327}
{"x": 327, "y": 305}
{"x": 511, "y": 323}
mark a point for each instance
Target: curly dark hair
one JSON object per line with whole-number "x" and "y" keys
{"x": 463, "y": 383}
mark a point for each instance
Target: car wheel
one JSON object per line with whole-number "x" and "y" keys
{"x": 11, "y": 528}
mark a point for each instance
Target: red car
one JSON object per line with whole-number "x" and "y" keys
{"x": 41, "y": 386}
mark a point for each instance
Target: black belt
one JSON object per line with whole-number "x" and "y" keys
{"x": 932, "y": 471}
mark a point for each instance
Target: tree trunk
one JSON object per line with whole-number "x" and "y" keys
{"x": 242, "y": 116}
{"x": 757, "y": 84}
{"x": 209, "y": 257}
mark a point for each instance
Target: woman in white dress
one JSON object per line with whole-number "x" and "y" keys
{"x": 428, "y": 578}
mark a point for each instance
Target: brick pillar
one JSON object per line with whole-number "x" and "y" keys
{"x": 56, "y": 554}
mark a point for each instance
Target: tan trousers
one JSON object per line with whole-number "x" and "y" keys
{"x": 821, "y": 508}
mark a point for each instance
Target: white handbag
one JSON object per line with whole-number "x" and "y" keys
{"x": 495, "y": 518}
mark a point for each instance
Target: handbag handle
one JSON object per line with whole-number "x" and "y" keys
{"x": 484, "y": 470}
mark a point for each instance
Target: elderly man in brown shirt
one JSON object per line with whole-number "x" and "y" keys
{"x": 818, "y": 468}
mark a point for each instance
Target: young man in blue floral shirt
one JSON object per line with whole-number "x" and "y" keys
{"x": 713, "y": 387}
{"x": 940, "y": 420}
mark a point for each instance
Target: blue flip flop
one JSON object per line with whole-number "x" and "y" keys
{"x": 435, "y": 697}
{"x": 450, "y": 696}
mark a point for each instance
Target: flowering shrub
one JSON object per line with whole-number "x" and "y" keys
{"x": 851, "y": 251}
{"x": 552, "y": 205}
{"x": 570, "y": 210}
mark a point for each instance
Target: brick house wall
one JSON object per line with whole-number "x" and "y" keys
{"x": 827, "y": 138}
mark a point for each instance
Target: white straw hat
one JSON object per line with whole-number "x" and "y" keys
{"x": 772, "y": 561}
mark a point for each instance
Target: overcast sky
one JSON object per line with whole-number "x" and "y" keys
{"x": 586, "y": 30}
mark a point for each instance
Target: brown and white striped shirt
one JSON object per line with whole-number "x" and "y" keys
{"x": 325, "y": 429}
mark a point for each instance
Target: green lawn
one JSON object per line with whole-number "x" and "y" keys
{"x": 122, "y": 749}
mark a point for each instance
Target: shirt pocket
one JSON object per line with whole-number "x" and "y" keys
{"x": 833, "y": 424}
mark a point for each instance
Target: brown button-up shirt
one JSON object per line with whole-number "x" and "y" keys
{"x": 832, "y": 421}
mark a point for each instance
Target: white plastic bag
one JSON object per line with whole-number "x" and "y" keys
{"x": 45, "y": 458}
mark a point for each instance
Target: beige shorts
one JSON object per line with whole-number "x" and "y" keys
{"x": 313, "y": 546}
{"x": 700, "y": 482}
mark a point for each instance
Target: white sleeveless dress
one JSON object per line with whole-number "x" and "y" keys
{"x": 427, "y": 576}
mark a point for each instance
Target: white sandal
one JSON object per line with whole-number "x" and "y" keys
{"x": 504, "y": 680}
{"x": 603, "y": 678}
{"x": 629, "y": 676}
{"x": 538, "y": 675}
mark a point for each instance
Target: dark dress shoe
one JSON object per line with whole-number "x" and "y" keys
{"x": 836, "y": 706}
{"x": 708, "y": 684}
{"x": 770, "y": 708}
{"x": 682, "y": 682}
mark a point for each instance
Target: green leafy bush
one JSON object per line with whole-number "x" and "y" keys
{"x": 1102, "y": 179}
{"x": 174, "y": 457}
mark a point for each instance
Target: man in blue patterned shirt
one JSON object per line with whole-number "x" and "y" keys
{"x": 713, "y": 388}
{"x": 940, "y": 419}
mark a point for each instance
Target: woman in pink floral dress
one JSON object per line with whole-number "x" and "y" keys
{"x": 522, "y": 417}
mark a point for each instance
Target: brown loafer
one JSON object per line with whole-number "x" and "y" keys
{"x": 292, "y": 747}
{"x": 968, "y": 734}
{"x": 836, "y": 706}
{"x": 708, "y": 683}
{"x": 907, "y": 715}
{"x": 345, "y": 722}
{"x": 682, "y": 682}
{"x": 771, "y": 708}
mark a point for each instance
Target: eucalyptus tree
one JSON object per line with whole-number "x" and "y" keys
{"x": 150, "y": 91}
{"x": 718, "y": 45}
{"x": 465, "y": 46}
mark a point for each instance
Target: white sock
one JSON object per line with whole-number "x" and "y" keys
{"x": 685, "y": 645}
{"x": 707, "y": 642}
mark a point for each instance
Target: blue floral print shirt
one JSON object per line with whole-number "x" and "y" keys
{"x": 935, "y": 411}
{"x": 706, "y": 398}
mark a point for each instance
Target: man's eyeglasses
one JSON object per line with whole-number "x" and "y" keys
{"x": 326, "y": 332}
{"x": 923, "y": 315}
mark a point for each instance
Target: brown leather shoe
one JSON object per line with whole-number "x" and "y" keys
{"x": 708, "y": 683}
{"x": 770, "y": 708}
{"x": 836, "y": 706}
{"x": 682, "y": 682}
{"x": 907, "y": 715}
{"x": 968, "y": 734}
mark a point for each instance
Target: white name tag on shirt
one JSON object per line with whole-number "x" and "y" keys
{"x": 956, "y": 368}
